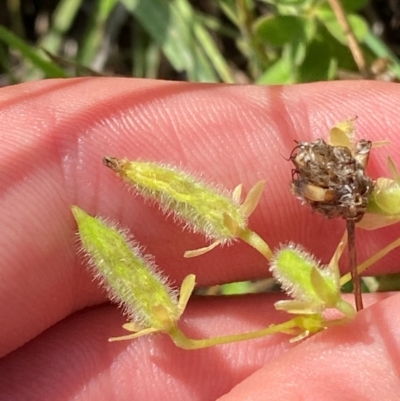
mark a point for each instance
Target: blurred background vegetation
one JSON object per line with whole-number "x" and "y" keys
{"x": 231, "y": 41}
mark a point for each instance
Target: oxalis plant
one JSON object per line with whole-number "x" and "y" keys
{"x": 134, "y": 281}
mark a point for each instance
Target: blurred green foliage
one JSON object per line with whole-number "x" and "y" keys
{"x": 232, "y": 41}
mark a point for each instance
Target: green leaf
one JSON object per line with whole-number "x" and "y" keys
{"x": 318, "y": 64}
{"x": 96, "y": 33}
{"x": 357, "y": 24}
{"x": 32, "y": 54}
{"x": 348, "y": 5}
{"x": 354, "y": 5}
{"x": 282, "y": 29}
{"x": 205, "y": 41}
{"x": 297, "y": 51}
{"x": 339, "y": 53}
{"x": 279, "y": 73}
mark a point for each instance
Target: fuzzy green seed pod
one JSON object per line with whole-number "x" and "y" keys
{"x": 384, "y": 203}
{"x": 131, "y": 279}
{"x": 387, "y": 197}
{"x": 294, "y": 268}
{"x": 201, "y": 207}
{"x": 313, "y": 287}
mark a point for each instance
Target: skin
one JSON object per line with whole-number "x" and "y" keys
{"x": 54, "y": 319}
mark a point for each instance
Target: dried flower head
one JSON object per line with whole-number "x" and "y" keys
{"x": 332, "y": 179}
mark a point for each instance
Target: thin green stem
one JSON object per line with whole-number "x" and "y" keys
{"x": 180, "y": 339}
{"x": 292, "y": 326}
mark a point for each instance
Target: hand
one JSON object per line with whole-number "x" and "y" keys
{"x": 54, "y": 135}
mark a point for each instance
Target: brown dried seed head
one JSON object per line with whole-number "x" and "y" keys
{"x": 332, "y": 179}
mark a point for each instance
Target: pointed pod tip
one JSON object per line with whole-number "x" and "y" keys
{"x": 112, "y": 162}
{"x": 77, "y": 212}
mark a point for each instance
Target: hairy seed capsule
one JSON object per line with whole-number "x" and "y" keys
{"x": 200, "y": 206}
{"x": 131, "y": 278}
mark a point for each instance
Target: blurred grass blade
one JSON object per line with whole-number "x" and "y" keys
{"x": 281, "y": 72}
{"x": 50, "y": 69}
{"x": 96, "y": 35}
{"x": 164, "y": 22}
{"x": 318, "y": 64}
{"x": 205, "y": 41}
{"x": 146, "y": 54}
{"x": 63, "y": 17}
{"x": 281, "y": 29}
{"x": 15, "y": 17}
{"x": 153, "y": 59}
{"x": 228, "y": 7}
{"x": 240, "y": 287}
{"x": 73, "y": 68}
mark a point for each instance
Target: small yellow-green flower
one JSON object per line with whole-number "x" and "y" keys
{"x": 131, "y": 279}
{"x": 203, "y": 208}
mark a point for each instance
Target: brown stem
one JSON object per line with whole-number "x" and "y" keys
{"x": 351, "y": 39}
{"x": 351, "y": 235}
